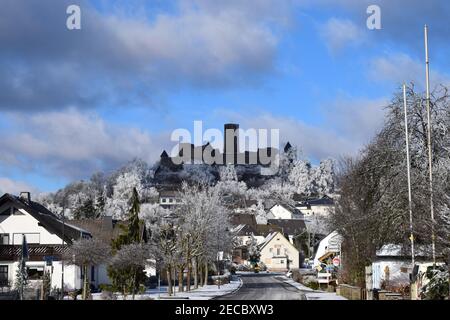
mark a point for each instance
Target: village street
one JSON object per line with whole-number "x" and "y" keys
{"x": 264, "y": 286}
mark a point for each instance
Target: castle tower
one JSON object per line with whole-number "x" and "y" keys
{"x": 231, "y": 143}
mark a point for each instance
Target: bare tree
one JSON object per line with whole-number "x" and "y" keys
{"x": 85, "y": 253}
{"x": 128, "y": 260}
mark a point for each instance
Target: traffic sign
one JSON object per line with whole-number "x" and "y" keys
{"x": 336, "y": 261}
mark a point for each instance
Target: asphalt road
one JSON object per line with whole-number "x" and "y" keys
{"x": 264, "y": 286}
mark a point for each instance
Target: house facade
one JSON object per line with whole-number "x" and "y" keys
{"x": 47, "y": 236}
{"x": 278, "y": 254}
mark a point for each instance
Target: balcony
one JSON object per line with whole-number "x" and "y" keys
{"x": 36, "y": 252}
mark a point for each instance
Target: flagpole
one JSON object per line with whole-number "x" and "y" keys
{"x": 408, "y": 166}
{"x": 430, "y": 167}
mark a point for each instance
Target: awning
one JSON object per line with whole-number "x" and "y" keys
{"x": 327, "y": 255}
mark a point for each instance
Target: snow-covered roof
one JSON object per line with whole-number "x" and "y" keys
{"x": 397, "y": 250}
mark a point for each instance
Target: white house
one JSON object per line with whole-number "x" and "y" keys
{"x": 169, "y": 198}
{"x": 284, "y": 211}
{"x": 317, "y": 206}
{"x": 392, "y": 267}
{"x": 330, "y": 246}
{"x": 47, "y": 238}
{"x": 278, "y": 254}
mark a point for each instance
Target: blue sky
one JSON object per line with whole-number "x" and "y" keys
{"x": 75, "y": 102}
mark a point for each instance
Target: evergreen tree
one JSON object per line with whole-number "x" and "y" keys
{"x": 21, "y": 280}
{"x": 131, "y": 234}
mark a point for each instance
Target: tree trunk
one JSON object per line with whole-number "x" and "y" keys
{"x": 180, "y": 280}
{"x": 200, "y": 269}
{"x": 206, "y": 273}
{"x": 195, "y": 266}
{"x": 133, "y": 285}
{"x": 85, "y": 283}
{"x": 188, "y": 276}
{"x": 169, "y": 280}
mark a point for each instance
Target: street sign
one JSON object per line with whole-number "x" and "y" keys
{"x": 336, "y": 261}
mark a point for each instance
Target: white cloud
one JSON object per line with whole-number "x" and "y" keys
{"x": 116, "y": 58}
{"x": 73, "y": 145}
{"x": 348, "y": 125}
{"x": 14, "y": 187}
{"x": 339, "y": 33}
{"x": 400, "y": 67}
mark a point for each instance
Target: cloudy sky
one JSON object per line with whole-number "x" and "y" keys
{"x": 74, "y": 102}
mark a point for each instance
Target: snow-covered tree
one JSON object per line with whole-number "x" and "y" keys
{"x": 128, "y": 262}
{"x": 119, "y": 203}
{"x": 301, "y": 177}
{"x": 324, "y": 177}
{"x": 85, "y": 253}
{"x": 228, "y": 173}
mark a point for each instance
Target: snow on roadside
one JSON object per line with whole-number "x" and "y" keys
{"x": 202, "y": 293}
{"x": 310, "y": 293}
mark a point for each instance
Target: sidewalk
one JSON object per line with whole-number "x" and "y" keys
{"x": 202, "y": 293}
{"x": 310, "y": 293}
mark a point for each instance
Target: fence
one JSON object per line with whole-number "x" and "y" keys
{"x": 351, "y": 292}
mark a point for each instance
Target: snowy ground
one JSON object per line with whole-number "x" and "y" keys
{"x": 310, "y": 293}
{"x": 202, "y": 293}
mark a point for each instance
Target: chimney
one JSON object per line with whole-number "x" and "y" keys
{"x": 25, "y": 196}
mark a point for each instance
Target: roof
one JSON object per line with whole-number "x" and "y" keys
{"x": 47, "y": 219}
{"x": 400, "y": 251}
{"x": 265, "y": 229}
{"x": 287, "y": 147}
{"x": 313, "y": 201}
{"x": 291, "y": 227}
{"x": 168, "y": 193}
{"x": 245, "y": 222}
{"x": 248, "y": 219}
{"x": 104, "y": 229}
{"x": 289, "y": 207}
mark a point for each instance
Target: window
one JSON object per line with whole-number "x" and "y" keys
{"x": 282, "y": 261}
{"x": 171, "y": 200}
{"x": 4, "y": 238}
{"x": 278, "y": 251}
{"x": 3, "y": 276}
{"x": 270, "y": 249}
{"x": 35, "y": 273}
{"x": 31, "y": 238}
{"x": 163, "y": 200}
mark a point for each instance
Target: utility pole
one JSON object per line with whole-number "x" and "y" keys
{"x": 408, "y": 166}
{"x": 430, "y": 166}
{"x": 62, "y": 254}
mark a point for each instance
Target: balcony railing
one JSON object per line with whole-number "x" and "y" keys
{"x": 36, "y": 252}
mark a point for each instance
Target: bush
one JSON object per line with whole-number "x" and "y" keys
{"x": 106, "y": 287}
{"x": 296, "y": 276}
{"x": 108, "y": 295}
{"x": 437, "y": 288}
{"x": 313, "y": 285}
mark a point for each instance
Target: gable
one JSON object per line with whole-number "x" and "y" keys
{"x": 24, "y": 223}
{"x": 278, "y": 238}
{"x": 44, "y": 218}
